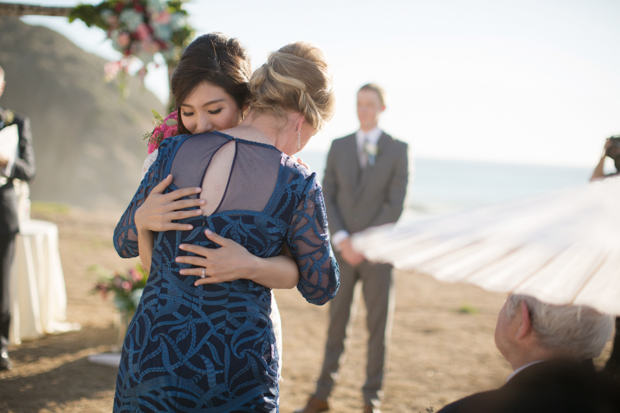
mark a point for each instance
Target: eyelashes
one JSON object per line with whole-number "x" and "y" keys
{"x": 211, "y": 112}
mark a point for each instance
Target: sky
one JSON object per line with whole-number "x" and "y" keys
{"x": 522, "y": 81}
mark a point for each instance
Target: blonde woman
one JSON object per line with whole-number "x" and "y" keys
{"x": 212, "y": 347}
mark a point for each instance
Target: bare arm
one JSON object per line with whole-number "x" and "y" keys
{"x": 145, "y": 247}
{"x": 598, "y": 171}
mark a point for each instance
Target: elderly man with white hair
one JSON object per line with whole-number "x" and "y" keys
{"x": 550, "y": 349}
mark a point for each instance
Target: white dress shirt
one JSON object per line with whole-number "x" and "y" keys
{"x": 372, "y": 136}
{"x": 363, "y": 137}
{"x": 514, "y": 373}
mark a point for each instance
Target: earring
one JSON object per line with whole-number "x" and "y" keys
{"x": 299, "y": 139}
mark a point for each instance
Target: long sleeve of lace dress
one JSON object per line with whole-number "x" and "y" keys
{"x": 308, "y": 241}
{"x": 126, "y": 234}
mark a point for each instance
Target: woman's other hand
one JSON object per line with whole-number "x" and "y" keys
{"x": 302, "y": 163}
{"x": 230, "y": 262}
{"x": 159, "y": 209}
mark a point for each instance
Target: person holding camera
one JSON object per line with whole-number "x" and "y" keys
{"x": 612, "y": 149}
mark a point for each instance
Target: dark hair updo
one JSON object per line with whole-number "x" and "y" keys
{"x": 217, "y": 59}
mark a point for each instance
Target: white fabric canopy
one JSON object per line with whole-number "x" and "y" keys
{"x": 562, "y": 248}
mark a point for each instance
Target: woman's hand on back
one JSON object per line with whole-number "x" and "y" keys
{"x": 302, "y": 163}
{"x": 159, "y": 209}
{"x": 230, "y": 262}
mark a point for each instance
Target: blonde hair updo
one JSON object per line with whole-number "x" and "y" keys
{"x": 297, "y": 77}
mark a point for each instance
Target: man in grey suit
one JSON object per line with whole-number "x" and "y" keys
{"x": 365, "y": 185}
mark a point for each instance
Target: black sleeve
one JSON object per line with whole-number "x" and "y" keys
{"x": 24, "y": 165}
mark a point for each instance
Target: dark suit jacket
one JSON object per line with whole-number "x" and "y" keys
{"x": 357, "y": 198}
{"x": 560, "y": 386}
{"x": 22, "y": 169}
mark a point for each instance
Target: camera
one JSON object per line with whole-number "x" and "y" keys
{"x": 614, "y": 149}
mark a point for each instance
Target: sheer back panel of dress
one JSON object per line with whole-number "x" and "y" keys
{"x": 253, "y": 173}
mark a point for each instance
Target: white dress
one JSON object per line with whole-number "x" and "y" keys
{"x": 276, "y": 321}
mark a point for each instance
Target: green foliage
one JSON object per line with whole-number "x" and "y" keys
{"x": 90, "y": 15}
{"x": 157, "y": 117}
{"x": 49, "y": 208}
{"x": 467, "y": 308}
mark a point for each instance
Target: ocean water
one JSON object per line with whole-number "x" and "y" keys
{"x": 438, "y": 186}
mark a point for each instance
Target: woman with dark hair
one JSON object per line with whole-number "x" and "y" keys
{"x": 195, "y": 344}
{"x": 210, "y": 85}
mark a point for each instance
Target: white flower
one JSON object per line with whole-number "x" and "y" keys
{"x": 177, "y": 21}
{"x": 156, "y": 6}
{"x": 169, "y": 54}
{"x": 131, "y": 19}
{"x": 106, "y": 14}
{"x": 161, "y": 31}
{"x": 371, "y": 149}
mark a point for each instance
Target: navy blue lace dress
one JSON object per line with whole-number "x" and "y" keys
{"x": 212, "y": 348}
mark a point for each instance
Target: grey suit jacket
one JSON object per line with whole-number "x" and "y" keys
{"x": 357, "y": 198}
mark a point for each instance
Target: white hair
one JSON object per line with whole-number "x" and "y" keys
{"x": 579, "y": 332}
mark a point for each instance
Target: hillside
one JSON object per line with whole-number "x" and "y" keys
{"x": 88, "y": 143}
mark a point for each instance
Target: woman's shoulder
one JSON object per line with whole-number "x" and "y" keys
{"x": 294, "y": 166}
{"x": 299, "y": 175}
{"x": 172, "y": 142}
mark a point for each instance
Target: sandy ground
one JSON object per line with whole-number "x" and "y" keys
{"x": 442, "y": 340}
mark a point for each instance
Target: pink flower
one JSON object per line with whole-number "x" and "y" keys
{"x": 150, "y": 47}
{"x": 110, "y": 70}
{"x": 123, "y": 40}
{"x": 162, "y": 18}
{"x": 103, "y": 290}
{"x": 167, "y": 129}
{"x": 142, "y": 32}
{"x": 171, "y": 131}
{"x": 112, "y": 22}
{"x": 117, "y": 281}
{"x": 126, "y": 286}
{"x": 136, "y": 276}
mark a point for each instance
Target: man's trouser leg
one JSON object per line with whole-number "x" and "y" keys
{"x": 378, "y": 290}
{"x": 342, "y": 311}
{"x": 7, "y": 252}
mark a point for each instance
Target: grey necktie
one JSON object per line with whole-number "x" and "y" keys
{"x": 362, "y": 152}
